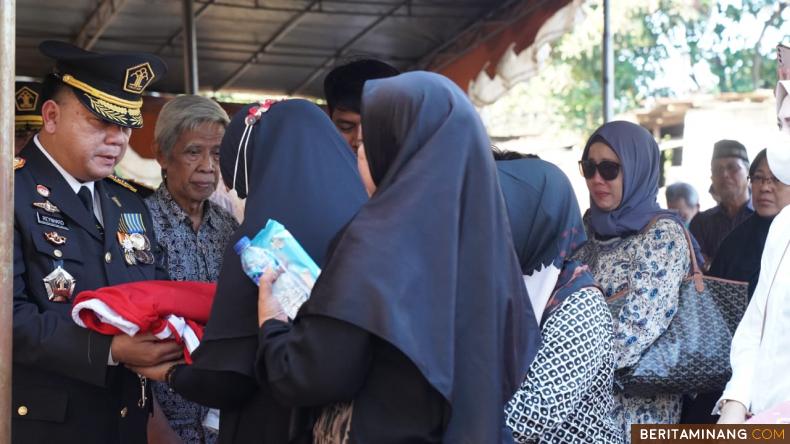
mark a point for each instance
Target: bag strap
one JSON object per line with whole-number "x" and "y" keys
{"x": 765, "y": 311}
{"x": 695, "y": 273}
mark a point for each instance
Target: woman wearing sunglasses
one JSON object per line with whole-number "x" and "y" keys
{"x": 637, "y": 252}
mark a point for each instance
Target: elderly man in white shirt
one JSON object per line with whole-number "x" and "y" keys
{"x": 760, "y": 353}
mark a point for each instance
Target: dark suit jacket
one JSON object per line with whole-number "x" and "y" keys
{"x": 63, "y": 389}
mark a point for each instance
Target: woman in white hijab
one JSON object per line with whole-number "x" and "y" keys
{"x": 760, "y": 354}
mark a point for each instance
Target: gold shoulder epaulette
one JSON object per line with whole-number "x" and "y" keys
{"x": 18, "y": 163}
{"x": 122, "y": 183}
{"x": 139, "y": 185}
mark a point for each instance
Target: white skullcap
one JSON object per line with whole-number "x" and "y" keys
{"x": 778, "y": 157}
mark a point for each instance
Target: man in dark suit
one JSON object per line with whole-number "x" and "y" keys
{"x": 77, "y": 228}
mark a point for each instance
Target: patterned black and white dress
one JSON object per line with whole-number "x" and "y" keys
{"x": 567, "y": 394}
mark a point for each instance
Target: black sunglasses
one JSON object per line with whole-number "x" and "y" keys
{"x": 607, "y": 169}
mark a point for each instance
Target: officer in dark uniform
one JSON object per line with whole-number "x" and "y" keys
{"x": 27, "y": 113}
{"x": 77, "y": 228}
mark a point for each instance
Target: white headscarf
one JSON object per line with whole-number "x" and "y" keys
{"x": 760, "y": 353}
{"x": 783, "y": 105}
{"x": 778, "y": 156}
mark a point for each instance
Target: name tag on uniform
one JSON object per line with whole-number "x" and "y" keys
{"x": 52, "y": 221}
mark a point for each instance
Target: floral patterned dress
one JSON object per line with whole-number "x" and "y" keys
{"x": 650, "y": 267}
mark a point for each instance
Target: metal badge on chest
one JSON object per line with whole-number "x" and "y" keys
{"x": 59, "y": 283}
{"x": 135, "y": 244}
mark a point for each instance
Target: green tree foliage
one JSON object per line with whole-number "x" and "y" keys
{"x": 663, "y": 48}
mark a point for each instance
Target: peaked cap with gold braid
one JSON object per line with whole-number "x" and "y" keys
{"x": 110, "y": 85}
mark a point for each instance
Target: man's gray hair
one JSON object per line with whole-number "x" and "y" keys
{"x": 681, "y": 190}
{"x": 185, "y": 113}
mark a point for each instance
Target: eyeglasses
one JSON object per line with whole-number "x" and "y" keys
{"x": 606, "y": 168}
{"x": 763, "y": 180}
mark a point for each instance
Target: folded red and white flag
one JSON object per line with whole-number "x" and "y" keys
{"x": 168, "y": 309}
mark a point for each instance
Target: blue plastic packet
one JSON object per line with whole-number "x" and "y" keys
{"x": 274, "y": 246}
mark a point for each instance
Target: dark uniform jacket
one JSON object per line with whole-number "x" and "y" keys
{"x": 64, "y": 391}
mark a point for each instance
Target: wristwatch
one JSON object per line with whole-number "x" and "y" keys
{"x": 169, "y": 376}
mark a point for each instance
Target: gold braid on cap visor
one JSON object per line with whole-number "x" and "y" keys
{"x": 115, "y": 113}
{"x": 133, "y": 104}
{"x": 30, "y": 120}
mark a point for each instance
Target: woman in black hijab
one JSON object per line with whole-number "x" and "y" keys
{"x": 566, "y": 397}
{"x": 302, "y": 174}
{"x": 418, "y": 329}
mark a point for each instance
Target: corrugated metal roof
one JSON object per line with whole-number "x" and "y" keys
{"x": 282, "y": 46}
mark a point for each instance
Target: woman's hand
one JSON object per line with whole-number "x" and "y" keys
{"x": 155, "y": 372}
{"x": 732, "y": 412}
{"x": 268, "y": 306}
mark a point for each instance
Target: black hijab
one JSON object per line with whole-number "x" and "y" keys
{"x": 544, "y": 214}
{"x": 547, "y": 225}
{"x": 302, "y": 174}
{"x": 428, "y": 263}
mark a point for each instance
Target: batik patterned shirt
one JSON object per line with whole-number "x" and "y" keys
{"x": 649, "y": 267}
{"x": 189, "y": 256}
{"x": 712, "y": 226}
